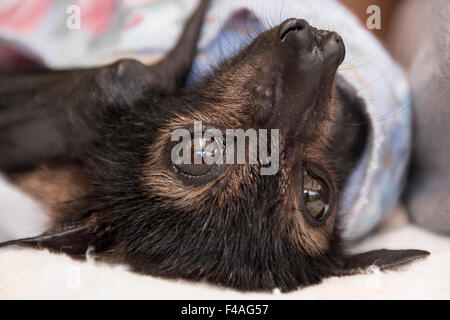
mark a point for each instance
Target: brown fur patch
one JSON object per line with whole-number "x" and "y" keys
{"x": 236, "y": 181}
{"x": 52, "y": 186}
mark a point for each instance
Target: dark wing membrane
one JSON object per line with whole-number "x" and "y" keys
{"x": 43, "y": 115}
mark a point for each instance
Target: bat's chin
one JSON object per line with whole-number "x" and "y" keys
{"x": 333, "y": 47}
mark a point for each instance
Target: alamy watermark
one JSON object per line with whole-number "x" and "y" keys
{"x": 374, "y": 20}
{"x": 73, "y": 280}
{"x": 73, "y": 21}
{"x": 235, "y": 146}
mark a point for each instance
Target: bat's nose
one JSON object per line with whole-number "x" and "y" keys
{"x": 295, "y": 28}
{"x": 305, "y": 39}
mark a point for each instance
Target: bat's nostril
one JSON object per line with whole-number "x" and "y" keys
{"x": 332, "y": 38}
{"x": 292, "y": 25}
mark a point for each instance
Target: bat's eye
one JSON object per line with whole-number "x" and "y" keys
{"x": 205, "y": 155}
{"x": 316, "y": 196}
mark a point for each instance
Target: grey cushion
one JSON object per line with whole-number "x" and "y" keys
{"x": 428, "y": 191}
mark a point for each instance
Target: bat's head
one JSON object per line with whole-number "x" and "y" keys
{"x": 238, "y": 180}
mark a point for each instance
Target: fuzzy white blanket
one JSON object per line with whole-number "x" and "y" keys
{"x": 30, "y": 274}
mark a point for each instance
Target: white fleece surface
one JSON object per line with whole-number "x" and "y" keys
{"x": 31, "y": 274}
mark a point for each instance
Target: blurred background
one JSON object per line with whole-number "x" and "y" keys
{"x": 400, "y": 19}
{"x": 417, "y": 35}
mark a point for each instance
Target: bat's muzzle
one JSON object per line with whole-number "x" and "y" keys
{"x": 307, "y": 40}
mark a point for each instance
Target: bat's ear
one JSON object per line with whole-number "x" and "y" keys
{"x": 383, "y": 259}
{"x": 73, "y": 240}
